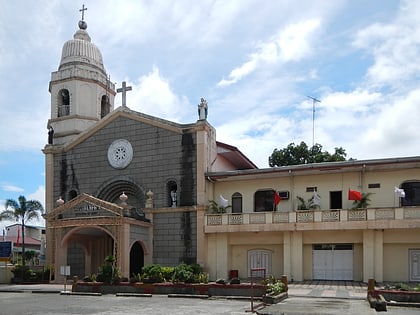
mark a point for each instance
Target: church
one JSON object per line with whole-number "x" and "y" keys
{"x": 136, "y": 187}
{"x": 119, "y": 182}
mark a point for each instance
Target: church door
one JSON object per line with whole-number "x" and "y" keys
{"x": 136, "y": 259}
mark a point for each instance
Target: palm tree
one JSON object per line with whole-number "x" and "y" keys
{"x": 22, "y": 211}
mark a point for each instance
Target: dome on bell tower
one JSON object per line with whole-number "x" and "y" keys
{"x": 81, "y": 51}
{"x": 81, "y": 90}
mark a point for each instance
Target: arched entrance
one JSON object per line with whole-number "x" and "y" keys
{"x": 136, "y": 259}
{"x": 87, "y": 249}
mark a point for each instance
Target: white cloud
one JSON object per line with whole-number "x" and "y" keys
{"x": 394, "y": 46}
{"x": 152, "y": 94}
{"x": 12, "y": 188}
{"x": 292, "y": 43}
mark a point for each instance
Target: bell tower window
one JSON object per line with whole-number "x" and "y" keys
{"x": 105, "y": 106}
{"x": 63, "y": 103}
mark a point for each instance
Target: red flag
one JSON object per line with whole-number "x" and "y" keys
{"x": 277, "y": 198}
{"x": 18, "y": 237}
{"x": 355, "y": 195}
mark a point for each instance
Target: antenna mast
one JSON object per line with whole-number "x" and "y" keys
{"x": 314, "y": 100}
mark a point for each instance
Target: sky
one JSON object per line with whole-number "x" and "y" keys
{"x": 255, "y": 62}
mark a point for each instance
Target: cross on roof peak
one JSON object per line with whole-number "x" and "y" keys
{"x": 123, "y": 90}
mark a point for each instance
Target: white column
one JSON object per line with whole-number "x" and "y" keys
{"x": 297, "y": 256}
{"x": 368, "y": 255}
{"x": 378, "y": 255}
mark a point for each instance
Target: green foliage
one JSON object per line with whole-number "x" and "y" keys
{"x": 183, "y": 273}
{"x": 152, "y": 273}
{"x": 276, "y": 288}
{"x": 167, "y": 273}
{"x": 27, "y": 274}
{"x": 22, "y": 272}
{"x": 306, "y": 205}
{"x": 22, "y": 211}
{"x": 108, "y": 273}
{"x": 302, "y": 154}
{"x": 215, "y": 208}
{"x": 202, "y": 278}
{"x": 403, "y": 287}
{"x": 362, "y": 203}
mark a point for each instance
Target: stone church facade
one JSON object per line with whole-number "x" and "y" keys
{"x": 120, "y": 182}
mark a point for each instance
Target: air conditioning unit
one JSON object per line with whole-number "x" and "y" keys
{"x": 284, "y": 195}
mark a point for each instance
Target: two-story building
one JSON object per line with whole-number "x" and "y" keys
{"x": 332, "y": 241}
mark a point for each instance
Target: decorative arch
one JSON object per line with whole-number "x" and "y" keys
{"x": 84, "y": 248}
{"x": 63, "y": 103}
{"x": 72, "y": 231}
{"x": 112, "y": 190}
{"x": 137, "y": 253}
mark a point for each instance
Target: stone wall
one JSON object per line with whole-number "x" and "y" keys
{"x": 175, "y": 238}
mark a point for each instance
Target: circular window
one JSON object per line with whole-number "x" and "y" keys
{"x": 120, "y": 153}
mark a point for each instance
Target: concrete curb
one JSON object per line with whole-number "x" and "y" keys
{"x": 193, "y": 296}
{"x": 80, "y": 293}
{"x": 133, "y": 294}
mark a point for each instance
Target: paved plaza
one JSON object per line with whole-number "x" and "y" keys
{"x": 311, "y": 297}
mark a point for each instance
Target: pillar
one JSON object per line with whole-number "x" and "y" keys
{"x": 368, "y": 255}
{"x": 379, "y": 255}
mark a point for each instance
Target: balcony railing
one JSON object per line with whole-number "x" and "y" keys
{"x": 313, "y": 216}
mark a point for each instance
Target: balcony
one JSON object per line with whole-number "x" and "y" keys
{"x": 373, "y": 218}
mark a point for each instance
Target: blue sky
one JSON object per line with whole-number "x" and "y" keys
{"x": 255, "y": 62}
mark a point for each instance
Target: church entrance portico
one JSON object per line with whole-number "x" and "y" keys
{"x": 86, "y": 230}
{"x": 87, "y": 249}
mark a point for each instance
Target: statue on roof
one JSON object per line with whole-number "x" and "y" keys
{"x": 202, "y": 109}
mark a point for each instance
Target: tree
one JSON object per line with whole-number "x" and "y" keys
{"x": 302, "y": 154}
{"x": 22, "y": 211}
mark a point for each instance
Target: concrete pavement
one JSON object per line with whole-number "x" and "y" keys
{"x": 308, "y": 297}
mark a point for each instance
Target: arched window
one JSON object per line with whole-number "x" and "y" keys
{"x": 172, "y": 193}
{"x": 264, "y": 200}
{"x": 412, "y": 193}
{"x": 236, "y": 203}
{"x": 63, "y": 108}
{"x": 105, "y": 106}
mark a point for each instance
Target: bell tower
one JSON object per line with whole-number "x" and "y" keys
{"x": 81, "y": 92}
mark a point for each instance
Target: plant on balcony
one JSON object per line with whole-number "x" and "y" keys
{"x": 363, "y": 203}
{"x": 306, "y": 205}
{"x": 215, "y": 208}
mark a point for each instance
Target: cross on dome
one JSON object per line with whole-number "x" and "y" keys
{"x": 83, "y": 9}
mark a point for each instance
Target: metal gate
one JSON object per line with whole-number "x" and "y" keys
{"x": 332, "y": 262}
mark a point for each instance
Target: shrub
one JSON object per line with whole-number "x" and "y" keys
{"x": 183, "y": 273}
{"x": 22, "y": 272}
{"x": 276, "y": 288}
{"x": 108, "y": 273}
{"x": 167, "y": 273}
{"x": 152, "y": 273}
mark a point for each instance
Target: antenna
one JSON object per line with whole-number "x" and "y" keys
{"x": 314, "y": 100}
